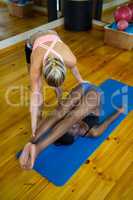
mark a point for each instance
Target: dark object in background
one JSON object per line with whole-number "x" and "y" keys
{"x": 78, "y": 14}
{"x": 52, "y": 10}
{"x": 28, "y": 51}
{"x": 97, "y": 9}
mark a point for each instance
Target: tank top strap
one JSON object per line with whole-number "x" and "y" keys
{"x": 50, "y": 49}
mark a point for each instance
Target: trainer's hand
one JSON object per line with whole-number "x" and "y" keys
{"x": 84, "y": 81}
{"x": 33, "y": 132}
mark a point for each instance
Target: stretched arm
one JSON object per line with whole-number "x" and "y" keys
{"x": 36, "y": 102}
{"x": 58, "y": 92}
{"x": 76, "y": 74}
{"x": 36, "y": 98}
{"x": 63, "y": 109}
{"x": 97, "y": 131}
{"x": 31, "y": 150}
{"x": 71, "y": 63}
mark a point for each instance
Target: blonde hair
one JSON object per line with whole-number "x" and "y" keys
{"x": 54, "y": 71}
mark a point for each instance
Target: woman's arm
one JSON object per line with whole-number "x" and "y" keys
{"x": 58, "y": 91}
{"x": 36, "y": 97}
{"x": 77, "y": 74}
{"x": 36, "y": 102}
{"x": 71, "y": 63}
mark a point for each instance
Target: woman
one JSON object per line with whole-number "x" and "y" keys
{"x": 78, "y": 115}
{"x": 47, "y": 55}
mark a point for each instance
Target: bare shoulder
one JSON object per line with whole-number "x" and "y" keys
{"x": 67, "y": 55}
{"x": 37, "y": 57}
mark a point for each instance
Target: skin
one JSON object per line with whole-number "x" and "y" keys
{"x": 73, "y": 114}
{"x": 70, "y": 119}
{"x": 61, "y": 111}
{"x": 36, "y": 100}
{"x": 30, "y": 151}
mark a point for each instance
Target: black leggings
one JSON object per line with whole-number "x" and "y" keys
{"x": 28, "y": 51}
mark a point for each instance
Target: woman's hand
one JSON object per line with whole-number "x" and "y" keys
{"x": 77, "y": 75}
{"x": 83, "y": 81}
{"x": 59, "y": 93}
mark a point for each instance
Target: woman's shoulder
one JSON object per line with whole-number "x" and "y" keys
{"x": 37, "y": 56}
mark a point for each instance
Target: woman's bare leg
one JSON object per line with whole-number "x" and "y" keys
{"x": 65, "y": 106}
{"x": 97, "y": 131}
{"x": 88, "y": 103}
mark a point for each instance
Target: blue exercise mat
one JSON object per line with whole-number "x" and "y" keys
{"x": 59, "y": 163}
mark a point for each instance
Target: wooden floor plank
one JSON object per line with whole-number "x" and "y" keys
{"x": 121, "y": 191}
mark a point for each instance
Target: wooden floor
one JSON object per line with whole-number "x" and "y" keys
{"x": 108, "y": 174}
{"x": 11, "y": 26}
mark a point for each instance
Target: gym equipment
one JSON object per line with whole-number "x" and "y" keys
{"x": 78, "y": 15}
{"x": 122, "y": 25}
{"x": 58, "y": 164}
{"x": 129, "y": 29}
{"x": 52, "y": 10}
{"x": 124, "y": 15}
{"x": 123, "y": 12}
{"x": 22, "y": 8}
{"x": 119, "y": 39}
{"x": 97, "y": 9}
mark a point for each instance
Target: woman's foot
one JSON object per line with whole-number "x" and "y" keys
{"x": 28, "y": 156}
